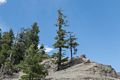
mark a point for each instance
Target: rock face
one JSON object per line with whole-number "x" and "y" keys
{"x": 84, "y": 70}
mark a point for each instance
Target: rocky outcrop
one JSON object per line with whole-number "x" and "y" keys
{"x": 84, "y": 69}
{"x": 105, "y": 70}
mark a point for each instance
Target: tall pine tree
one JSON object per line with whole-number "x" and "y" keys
{"x": 33, "y": 56}
{"x": 72, "y": 43}
{"x": 61, "y": 41}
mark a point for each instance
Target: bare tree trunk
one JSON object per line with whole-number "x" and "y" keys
{"x": 59, "y": 60}
{"x": 71, "y": 54}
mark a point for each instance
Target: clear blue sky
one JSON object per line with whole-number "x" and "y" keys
{"x": 96, "y": 23}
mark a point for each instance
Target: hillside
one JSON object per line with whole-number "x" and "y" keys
{"x": 85, "y": 71}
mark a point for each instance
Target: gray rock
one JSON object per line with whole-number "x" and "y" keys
{"x": 85, "y": 71}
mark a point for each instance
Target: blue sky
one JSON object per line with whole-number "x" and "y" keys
{"x": 96, "y": 23}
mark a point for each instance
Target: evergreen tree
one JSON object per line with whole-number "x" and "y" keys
{"x": 23, "y": 41}
{"x": 34, "y": 34}
{"x": 42, "y": 49}
{"x": 33, "y": 56}
{"x": 6, "y": 52}
{"x": 11, "y": 34}
{"x": 19, "y": 47}
{"x": 61, "y": 36}
{"x": 6, "y": 43}
{"x": 31, "y": 66}
{"x": 72, "y": 44}
{"x": 42, "y": 52}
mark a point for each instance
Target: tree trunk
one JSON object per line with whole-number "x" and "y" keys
{"x": 71, "y": 54}
{"x": 59, "y": 60}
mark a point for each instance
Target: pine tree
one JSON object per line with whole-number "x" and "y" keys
{"x": 6, "y": 52}
{"x": 33, "y": 56}
{"x": 19, "y": 47}
{"x": 34, "y": 34}
{"x": 31, "y": 66}
{"x": 42, "y": 52}
{"x": 11, "y": 34}
{"x": 72, "y": 44}
{"x": 6, "y": 43}
{"x": 61, "y": 36}
{"x": 23, "y": 41}
{"x": 42, "y": 49}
